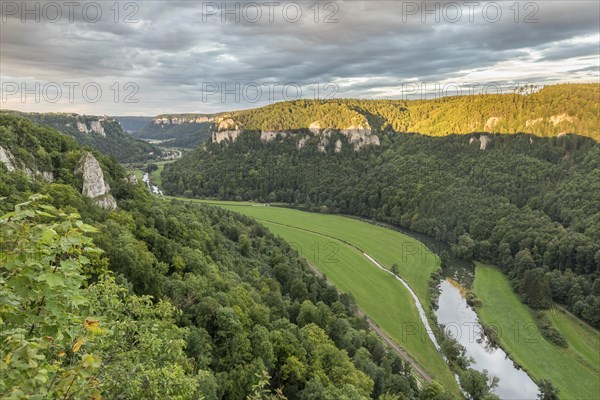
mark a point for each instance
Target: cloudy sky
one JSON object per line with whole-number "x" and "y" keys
{"x": 151, "y": 57}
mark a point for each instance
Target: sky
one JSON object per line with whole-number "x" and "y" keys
{"x": 153, "y": 57}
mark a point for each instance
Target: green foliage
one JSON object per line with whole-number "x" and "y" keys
{"x": 202, "y": 300}
{"x": 478, "y": 385}
{"x": 547, "y": 391}
{"x": 523, "y": 203}
{"x": 571, "y": 108}
{"x": 548, "y": 330}
{"x": 114, "y": 142}
{"x": 62, "y": 340}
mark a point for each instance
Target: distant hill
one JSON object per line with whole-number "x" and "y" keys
{"x": 132, "y": 124}
{"x": 104, "y": 134}
{"x": 551, "y": 111}
{"x": 180, "y": 130}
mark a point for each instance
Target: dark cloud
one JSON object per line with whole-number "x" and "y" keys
{"x": 170, "y": 49}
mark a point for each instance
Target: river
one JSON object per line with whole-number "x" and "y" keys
{"x": 461, "y": 322}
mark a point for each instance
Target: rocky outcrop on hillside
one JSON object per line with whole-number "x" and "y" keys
{"x": 181, "y": 119}
{"x": 358, "y": 135}
{"x": 483, "y": 141}
{"x": 218, "y": 137}
{"x": 7, "y": 159}
{"x": 95, "y": 127}
{"x": 94, "y": 185}
{"x": 12, "y": 164}
{"x": 491, "y": 124}
{"x": 269, "y": 136}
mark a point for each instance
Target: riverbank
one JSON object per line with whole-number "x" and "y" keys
{"x": 574, "y": 371}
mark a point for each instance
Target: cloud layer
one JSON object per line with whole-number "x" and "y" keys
{"x": 194, "y": 56}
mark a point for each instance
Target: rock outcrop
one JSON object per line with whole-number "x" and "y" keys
{"x": 483, "y": 141}
{"x": 191, "y": 119}
{"x": 12, "y": 164}
{"x": 491, "y": 124}
{"x": 95, "y": 127}
{"x": 269, "y": 136}
{"x": 532, "y": 122}
{"x": 218, "y": 137}
{"x": 94, "y": 185}
{"x": 357, "y": 135}
{"x": 7, "y": 159}
{"x": 557, "y": 119}
{"x": 338, "y": 146}
{"x": 302, "y": 142}
{"x": 360, "y": 136}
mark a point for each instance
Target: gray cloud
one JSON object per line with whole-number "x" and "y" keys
{"x": 173, "y": 49}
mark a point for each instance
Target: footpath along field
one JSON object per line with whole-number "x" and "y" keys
{"x": 330, "y": 243}
{"x": 574, "y": 370}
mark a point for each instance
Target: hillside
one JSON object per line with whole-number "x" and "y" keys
{"x": 525, "y": 203}
{"x": 178, "y": 130}
{"x": 549, "y": 112}
{"x": 104, "y": 134}
{"x": 234, "y": 312}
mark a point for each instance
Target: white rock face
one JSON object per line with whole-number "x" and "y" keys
{"x": 484, "y": 141}
{"x": 181, "y": 120}
{"x": 218, "y": 137}
{"x": 315, "y": 127}
{"x": 227, "y": 124}
{"x": 557, "y": 119}
{"x": 48, "y": 176}
{"x": 97, "y": 128}
{"x": 532, "y": 122}
{"x": 82, "y": 127}
{"x": 269, "y": 136}
{"x": 360, "y": 136}
{"x": 161, "y": 121}
{"x": 491, "y": 124}
{"x": 323, "y": 144}
{"x": 338, "y": 146}
{"x": 131, "y": 178}
{"x": 7, "y": 159}
{"x": 302, "y": 142}
{"x": 94, "y": 185}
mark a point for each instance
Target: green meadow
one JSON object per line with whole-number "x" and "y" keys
{"x": 331, "y": 243}
{"x": 574, "y": 371}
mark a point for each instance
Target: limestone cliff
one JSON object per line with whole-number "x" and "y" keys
{"x": 13, "y": 164}
{"x": 95, "y": 127}
{"x": 7, "y": 159}
{"x": 181, "y": 119}
{"x": 94, "y": 185}
{"x": 357, "y": 135}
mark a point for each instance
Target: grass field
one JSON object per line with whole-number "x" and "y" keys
{"x": 575, "y": 370}
{"x": 327, "y": 242}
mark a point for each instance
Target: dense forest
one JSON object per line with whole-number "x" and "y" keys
{"x": 162, "y": 300}
{"x": 566, "y": 108}
{"x": 530, "y": 205}
{"x": 104, "y": 134}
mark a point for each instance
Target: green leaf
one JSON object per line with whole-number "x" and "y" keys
{"x": 52, "y": 279}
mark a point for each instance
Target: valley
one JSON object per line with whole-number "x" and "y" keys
{"x": 334, "y": 245}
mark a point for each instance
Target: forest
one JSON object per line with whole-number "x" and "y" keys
{"x": 185, "y": 301}
{"x": 530, "y": 205}
{"x": 551, "y": 111}
{"x": 115, "y": 142}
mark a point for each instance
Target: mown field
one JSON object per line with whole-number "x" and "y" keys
{"x": 327, "y": 241}
{"x": 574, "y": 370}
